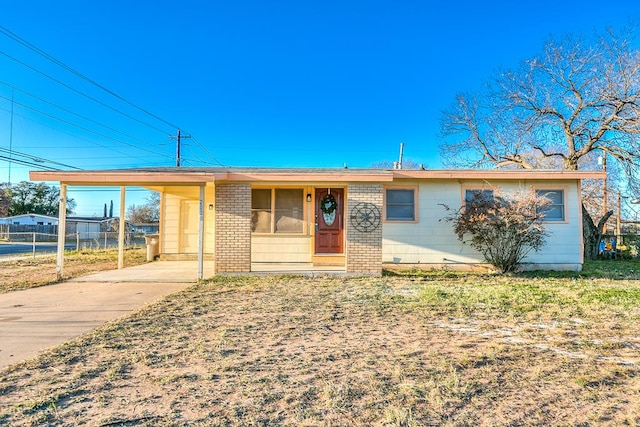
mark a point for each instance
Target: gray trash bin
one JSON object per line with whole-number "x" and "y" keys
{"x": 153, "y": 247}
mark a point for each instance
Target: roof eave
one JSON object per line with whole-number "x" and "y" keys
{"x": 522, "y": 174}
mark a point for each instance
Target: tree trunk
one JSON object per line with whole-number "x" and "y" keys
{"x": 592, "y": 233}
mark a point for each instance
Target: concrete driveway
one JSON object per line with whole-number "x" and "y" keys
{"x": 36, "y": 319}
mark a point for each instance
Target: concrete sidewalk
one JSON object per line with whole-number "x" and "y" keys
{"x": 157, "y": 271}
{"x": 36, "y": 319}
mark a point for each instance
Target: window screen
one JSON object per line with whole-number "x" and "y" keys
{"x": 479, "y": 195}
{"x": 400, "y": 204}
{"x": 285, "y": 206}
{"x": 555, "y": 211}
{"x": 289, "y": 211}
{"x": 261, "y": 210}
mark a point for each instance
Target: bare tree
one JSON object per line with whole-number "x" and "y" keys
{"x": 146, "y": 213}
{"x": 576, "y": 101}
{"x": 503, "y": 228}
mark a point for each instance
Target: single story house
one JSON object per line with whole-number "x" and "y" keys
{"x": 355, "y": 220}
{"x": 87, "y": 228}
{"x": 145, "y": 228}
{"x": 29, "y": 219}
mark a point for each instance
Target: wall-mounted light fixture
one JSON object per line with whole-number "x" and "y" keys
{"x": 210, "y": 206}
{"x": 308, "y": 197}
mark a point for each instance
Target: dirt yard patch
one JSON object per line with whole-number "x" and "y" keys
{"x": 396, "y": 351}
{"x": 32, "y": 272}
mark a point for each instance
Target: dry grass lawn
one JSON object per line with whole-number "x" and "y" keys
{"x": 416, "y": 350}
{"x": 39, "y": 271}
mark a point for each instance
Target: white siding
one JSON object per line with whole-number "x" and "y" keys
{"x": 170, "y": 224}
{"x": 431, "y": 240}
{"x": 179, "y": 228}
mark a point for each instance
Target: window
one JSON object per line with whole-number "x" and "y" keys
{"x": 277, "y": 210}
{"x": 555, "y": 211}
{"x": 478, "y": 195}
{"x": 400, "y": 204}
{"x": 479, "y": 198}
{"x": 261, "y": 210}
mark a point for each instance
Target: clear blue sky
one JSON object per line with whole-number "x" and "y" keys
{"x": 271, "y": 83}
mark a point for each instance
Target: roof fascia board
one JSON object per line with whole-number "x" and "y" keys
{"x": 304, "y": 177}
{"x": 108, "y": 178}
{"x": 169, "y": 178}
{"x": 497, "y": 174}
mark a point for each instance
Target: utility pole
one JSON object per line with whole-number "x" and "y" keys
{"x": 10, "y": 138}
{"x": 618, "y": 220}
{"x": 603, "y": 161}
{"x": 178, "y": 137}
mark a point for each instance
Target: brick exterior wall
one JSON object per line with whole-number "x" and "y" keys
{"x": 233, "y": 228}
{"x": 364, "y": 249}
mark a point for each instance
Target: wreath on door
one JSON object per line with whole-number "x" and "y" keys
{"x": 328, "y": 204}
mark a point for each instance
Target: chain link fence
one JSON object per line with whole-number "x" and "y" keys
{"x": 20, "y": 243}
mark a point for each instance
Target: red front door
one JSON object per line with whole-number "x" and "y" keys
{"x": 329, "y": 220}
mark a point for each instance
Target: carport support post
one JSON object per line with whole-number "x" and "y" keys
{"x": 62, "y": 229}
{"x": 121, "y": 227}
{"x": 201, "y": 235}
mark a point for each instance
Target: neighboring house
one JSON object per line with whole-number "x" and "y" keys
{"x": 86, "y": 227}
{"x": 29, "y": 219}
{"x": 356, "y": 220}
{"x": 147, "y": 228}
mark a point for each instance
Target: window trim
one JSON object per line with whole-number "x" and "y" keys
{"x": 565, "y": 191}
{"x": 273, "y": 188}
{"x": 416, "y": 192}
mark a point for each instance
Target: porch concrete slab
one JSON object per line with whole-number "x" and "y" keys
{"x": 157, "y": 271}
{"x": 36, "y": 319}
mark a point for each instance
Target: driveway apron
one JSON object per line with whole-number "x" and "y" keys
{"x": 36, "y": 319}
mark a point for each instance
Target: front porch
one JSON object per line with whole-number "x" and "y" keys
{"x": 251, "y": 220}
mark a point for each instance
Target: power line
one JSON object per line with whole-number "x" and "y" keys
{"x": 76, "y": 114}
{"x": 77, "y": 73}
{"x": 11, "y": 136}
{"x": 26, "y": 163}
{"x": 203, "y": 148}
{"x": 81, "y": 93}
{"x": 110, "y": 148}
{"x": 36, "y": 159}
{"x": 79, "y": 127}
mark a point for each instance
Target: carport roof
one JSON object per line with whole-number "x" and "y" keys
{"x": 201, "y": 176}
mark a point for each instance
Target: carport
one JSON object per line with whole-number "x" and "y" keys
{"x": 152, "y": 179}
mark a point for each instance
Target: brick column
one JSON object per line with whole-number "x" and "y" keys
{"x": 364, "y": 249}
{"x": 233, "y": 228}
